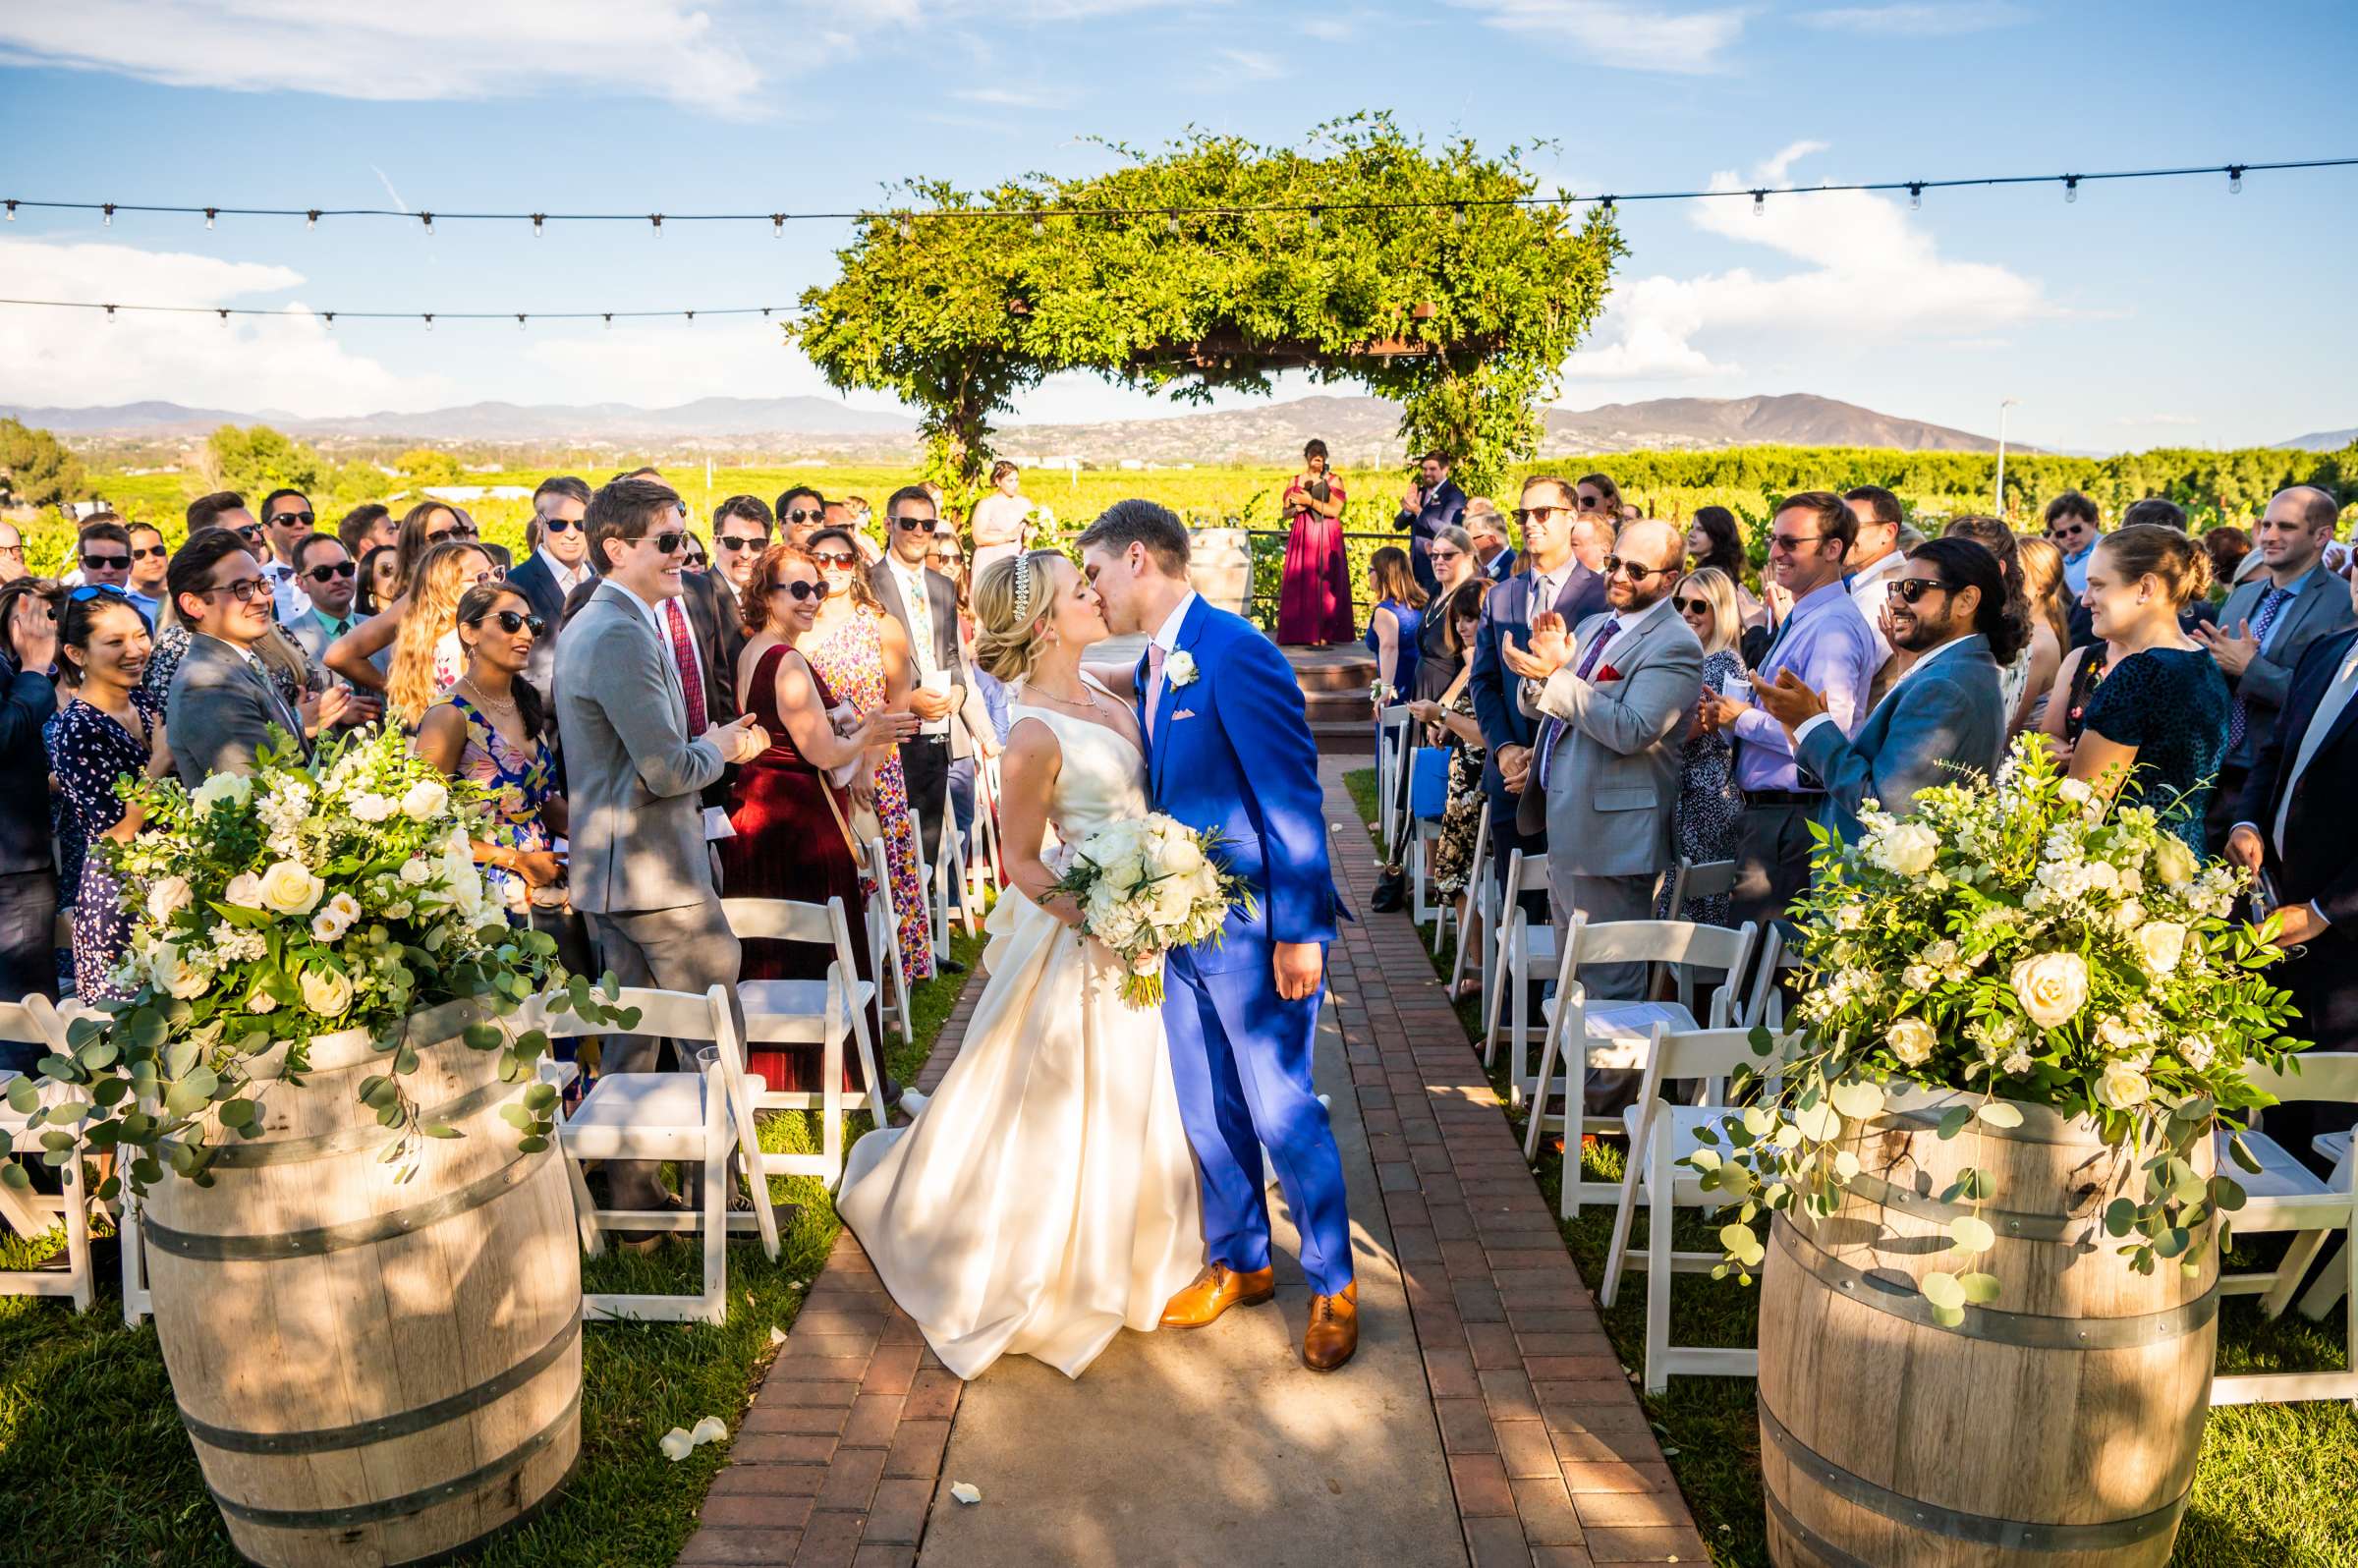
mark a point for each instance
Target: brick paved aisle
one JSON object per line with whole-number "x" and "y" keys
{"x": 1550, "y": 1461}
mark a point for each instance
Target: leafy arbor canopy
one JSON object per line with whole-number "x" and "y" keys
{"x": 1463, "y": 309}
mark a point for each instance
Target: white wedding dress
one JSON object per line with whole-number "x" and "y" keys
{"x": 1046, "y": 1195}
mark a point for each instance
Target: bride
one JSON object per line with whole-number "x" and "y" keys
{"x": 1046, "y": 1195}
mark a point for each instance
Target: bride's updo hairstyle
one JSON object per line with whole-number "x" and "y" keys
{"x": 1011, "y": 599}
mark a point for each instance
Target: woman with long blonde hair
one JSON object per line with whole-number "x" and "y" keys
{"x": 424, "y": 528}
{"x": 1703, "y": 825}
{"x": 428, "y": 656}
{"x": 2049, "y": 597}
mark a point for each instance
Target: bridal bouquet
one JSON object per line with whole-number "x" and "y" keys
{"x": 2028, "y": 941}
{"x": 1147, "y": 885}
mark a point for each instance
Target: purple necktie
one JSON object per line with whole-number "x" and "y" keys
{"x": 1552, "y": 729}
{"x": 2240, "y": 717}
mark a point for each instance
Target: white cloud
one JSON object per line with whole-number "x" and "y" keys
{"x": 1917, "y": 20}
{"x": 1009, "y": 98}
{"x": 418, "y": 49}
{"x": 79, "y": 357}
{"x": 1251, "y": 65}
{"x": 1628, "y": 33}
{"x": 1869, "y": 276}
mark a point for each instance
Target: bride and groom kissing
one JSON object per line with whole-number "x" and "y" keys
{"x": 1086, "y": 1165}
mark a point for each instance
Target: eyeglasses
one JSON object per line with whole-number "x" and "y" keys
{"x": 562, "y": 525}
{"x": 497, "y": 574}
{"x": 801, "y": 589}
{"x": 1637, "y": 573}
{"x": 140, "y": 552}
{"x": 1908, "y": 590}
{"x": 1791, "y": 543}
{"x": 1692, "y": 606}
{"x": 807, "y": 514}
{"x": 245, "y": 589}
{"x": 734, "y": 543}
{"x": 290, "y": 519}
{"x": 514, "y": 621}
{"x": 912, "y": 525}
{"x": 326, "y": 573}
{"x": 1526, "y": 514}
{"x": 17, "y": 550}
{"x": 106, "y": 563}
{"x": 462, "y": 531}
{"x": 830, "y": 561}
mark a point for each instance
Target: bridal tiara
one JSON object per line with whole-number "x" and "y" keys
{"x": 1023, "y": 587}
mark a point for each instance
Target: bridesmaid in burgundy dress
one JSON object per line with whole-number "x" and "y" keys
{"x": 1314, "y": 596}
{"x": 792, "y": 837}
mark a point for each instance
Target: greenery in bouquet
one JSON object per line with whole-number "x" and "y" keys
{"x": 1147, "y": 885}
{"x": 312, "y": 897}
{"x": 2027, "y": 941}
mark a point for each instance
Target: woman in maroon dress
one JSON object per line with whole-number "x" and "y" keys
{"x": 1313, "y": 598}
{"x": 793, "y": 841}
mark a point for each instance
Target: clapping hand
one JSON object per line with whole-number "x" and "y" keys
{"x": 2232, "y": 650}
{"x": 1789, "y": 702}
{"x": 1413, "y": 500}
{"x": 1779, "y": 600}
{"x": 1717, "y": 711}
{"x": 33, "y": 635}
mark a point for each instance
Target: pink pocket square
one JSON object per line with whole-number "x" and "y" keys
{"x": 1185, "y": 712}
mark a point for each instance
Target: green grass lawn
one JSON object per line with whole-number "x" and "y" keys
{"x": 94, "y": 1468}
{"x": 2278, "y": 1484}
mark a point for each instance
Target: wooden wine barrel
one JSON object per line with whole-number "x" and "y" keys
{"x": 372, "y": 1371}
{"x": 2056, "y": 1427}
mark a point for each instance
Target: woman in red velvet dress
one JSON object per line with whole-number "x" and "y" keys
{"x": 792, "y": 841}
{"x": 1314, "y": 596}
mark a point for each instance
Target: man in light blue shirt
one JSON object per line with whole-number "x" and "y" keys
{"x": 2071, "y": 527}
{"x": 1829, "y": 647}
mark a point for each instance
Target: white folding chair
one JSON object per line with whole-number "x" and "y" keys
{"x": 808, "y": 1012}
{"x": 1523, "y": 949}
{"x": 1392, "y": 726}
{"x": 1661, "y": 1135}
{"x": 983, "y": 870}
{"x": 1479, "y": 896}
{"x": 949, "y": 886}
{"x": 689, "y": 1117}
{"x": 33, "y": 1214}
{"x": 2334, "y": 1283}
{"x": 1586, "y": 1035}
{"x": 2286, "y": 1195}
{"x": 884, "y": 940}
{"x": 1710, "y": 879}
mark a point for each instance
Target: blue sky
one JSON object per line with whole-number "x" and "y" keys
{"x": 2146, "y": 313}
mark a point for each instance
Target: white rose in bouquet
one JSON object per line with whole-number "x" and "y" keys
{"x": 326, "y": 993}
{"x": 1173, "y": 901}
{"x": 168, "y": 897}
{"x": 2174, "y": 862}
{"x": 424, "y": 801}
{"x": 1906, "y": 848}
{"x": 233, "y": 787}
{"x": 1180, "y": 855}
{"x": 2161, "y": 944}
{"x": 416, "y": 872}
{"x": 371, "y": 807}
{"x": 2053, "y": 987}
{"x": 335, "y": 918}
{"x": 291, "y": 890}
{"x": 245, "y": 890}
{"x": 2122, "y": 1087}
{"x": 1912, "y": 1040}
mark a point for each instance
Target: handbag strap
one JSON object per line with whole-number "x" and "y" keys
{"x": 842, "y": 826}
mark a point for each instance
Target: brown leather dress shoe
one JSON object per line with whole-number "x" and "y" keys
{"x": 1333, "y": 1336}
{"x": 1214, "y": 1291}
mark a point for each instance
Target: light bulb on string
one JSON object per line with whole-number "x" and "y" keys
{"x": 538, "y": 218}
{"x": 777, "y": 225}
{"x": 1760, "y": 203}
{"x": 110, "y": 315}
{"x": 657, "y": 218}
{"x": 224, "y": 314}
{"x": 210, "y": 213}
{"x": 2234, "y": 179}
{"x": 430, "y": 224}
{"x": 2071, "y": 187}
{"x": 690, "y": 314}
{"x": 12, "y": 213}
{"x": 1916, "y": 195}
{"x": 106, "y": 215}
{"x": 311, "y": 219}
{"x": 1317, "y": 220}
{"x": 1170, "y": 222}
{"x": 429, "y": 323}
{"x": 609, "y": 320}
{"x": 1457, "y": 218}
{"x": 1037, "y": 228}
{"x": 908, "y": 227}
{"x": 519, "y": 321}
{"x": 330, "y": 319}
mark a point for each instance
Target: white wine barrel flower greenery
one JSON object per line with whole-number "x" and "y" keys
{"x": 310, "y": 898}
{"x": 2026, "y": 941}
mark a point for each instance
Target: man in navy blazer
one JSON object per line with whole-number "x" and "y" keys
{"x": 1430, "y": 505}
{"x": 1553, "y": 578}
{"x": 1948, "y": 607}
{"x": 559, "y": 564}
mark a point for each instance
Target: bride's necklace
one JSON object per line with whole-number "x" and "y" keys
{"x": 1086, "y": 701}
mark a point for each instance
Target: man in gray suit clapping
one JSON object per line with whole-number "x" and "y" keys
{"x": 641, "y": 873}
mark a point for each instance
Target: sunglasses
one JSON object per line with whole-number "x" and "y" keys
{"x": 562, "y": 525}
{"x": 1592, "y": 503}
{"x": 829, "y": 561}
{"x": 914, "y": 525}
{"x": 250, "y": 533}
{"x": 514, "y": 621}
{"x": 803, "y": 514}
{"x": 106, "y": 563}
{"x": 1908, "y": 590}
{"x": 327, "y": 574}
{"x": 1526, "y": 514}
{"x": 497, "y": 574}
{"x": 1637, "y": 573}
{"x": 732, "y": 542}
{"x": 92, "y": 590}
{"x": 669, "y": 541}
{"x": 801, "y": 590}
{"x": 1692, "y": 606}
{"x": 143, "y": 552}
{"x": 288, "y": 519}
{"x": 1792, "y": 543}
{"x": 449, "y": 534}
{"x": 245, "y": 589}
{"x": 1439, "y": 556}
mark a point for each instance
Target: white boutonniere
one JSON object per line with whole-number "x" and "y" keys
{"x": 1180, "y": 668}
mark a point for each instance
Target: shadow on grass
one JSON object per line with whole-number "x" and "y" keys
{"x": 2277, "y": 1486}
{"x": 96, "y": 1468}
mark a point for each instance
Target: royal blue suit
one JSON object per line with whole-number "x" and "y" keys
{"x": 1232, "y": 750}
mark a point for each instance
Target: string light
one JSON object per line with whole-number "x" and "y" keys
{"x": 311, "y": 219}
{"x": 224, "y": 312}
{"x": 1317, "y": 220}
{"x": 777, "y": 225}
{"x": 430, "y": 322}
{"x": 908, "y": 227}
{"x": 110, "y": 315}
{"x": 1916, "y": 195}
{"x": 1458, "y": 218}
{"x": 1760, "y": 202}
{"x": 519, "y": 321}
{"x": 538, "y": 218}
{"x": 12, "y": 213}
{"x": 329, "y": 316}
{"x": 2071, "y": 187}
{"x": 106, "y": 217}
{"x": 210, "y": 213}
{"x": 430, "y": 224}
{"x": 2234, "y": 179}
{"x": 1037, "y": 228}
{"x": 657, "y": 218}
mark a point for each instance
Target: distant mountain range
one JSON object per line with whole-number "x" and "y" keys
{"x": 2319, "y": 441}
{"x": 1360, "y": 432}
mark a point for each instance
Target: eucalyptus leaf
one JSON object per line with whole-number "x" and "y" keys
{"x": 1999, "y": 1113}
{"x": 1953, "y": 1120}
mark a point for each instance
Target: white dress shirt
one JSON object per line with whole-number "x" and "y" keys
{"x": 568, "y": 578}
{"x": 288, "y": 601}
{"x": 919, "y": 605}
{"x": 1871, "y": 589}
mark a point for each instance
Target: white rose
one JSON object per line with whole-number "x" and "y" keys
{"x": 171, "y": 971}
{"x": 1908, "y": 849}
{"x": 2103, "y": 877}
{"x": 261, "y": 1001}
{"x": 2018, "y": 1064}
{"x": 1920, "y": 977}
{"x": 1182, "y": 856}
{"x": 168, "y": 897}
{"x": 2120, "y": 1086}
{"x": 427, "y": 798}
{"x": 245, "y": 889}
{"x": 2161, "y": 944}
{"x": 371, "y": 807}
{"x": 2074, "y": 792}
{"x": 2053, "y": 987}
{"x": 2196, "y": 1051}
{"x": 326, "y": 993}
{"x": 398, "y": 909}
{"x": 417, "y": 872}
{"x": 2129, "y": 916}
{"x": 1912, "y": 1040}
{"x": 2132, "y": 881}
{"x": 1180, "y": 668}
{"x": 290, "y": 889}
{"x": 1172, "y": 903}
{"x": 1850, "y": 917}
{"x": 2174, "y": 862}
{"x": 233, "y": 787}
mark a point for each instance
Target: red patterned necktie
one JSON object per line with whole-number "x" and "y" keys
{"x": 683, "y": 657}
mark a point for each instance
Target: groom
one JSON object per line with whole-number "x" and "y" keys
{"x": 1228, "y": 747}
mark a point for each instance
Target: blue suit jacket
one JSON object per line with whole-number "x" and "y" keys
{"x": 1244, "y": 702}
{"x": 1507, "y": 611}
{"x": 1949, "y": 715}
{"x": 538, "y": 586}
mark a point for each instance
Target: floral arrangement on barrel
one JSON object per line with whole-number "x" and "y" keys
{"x": 310, "y": 898}
{"x": 2032, "y": 940}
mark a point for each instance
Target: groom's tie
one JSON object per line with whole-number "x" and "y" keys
{"x": 1153, "y": 684}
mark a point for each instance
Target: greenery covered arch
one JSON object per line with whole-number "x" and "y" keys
{"x": 1215, "y": 262}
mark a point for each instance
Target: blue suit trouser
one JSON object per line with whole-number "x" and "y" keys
{"x": 1241, "y": 1061}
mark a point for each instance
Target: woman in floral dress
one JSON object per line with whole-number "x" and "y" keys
{"x": 107, "y": 731}
{"x": 1704, "y": 823}
{"x": 1450, "y": 721}
{"x": 862, "y": 655}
